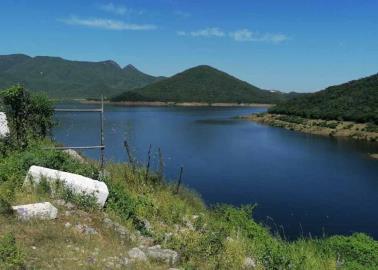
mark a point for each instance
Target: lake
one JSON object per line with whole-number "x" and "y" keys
{"x": 302, "y": 184}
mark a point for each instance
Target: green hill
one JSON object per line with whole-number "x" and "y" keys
{"x": 202, "y": 84}
{"x": 62, "y": 78}
{"x": 353, "y": 101}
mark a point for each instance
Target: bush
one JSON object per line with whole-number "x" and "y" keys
{"x": 358, "y": 251}
{"x": 5, "y": 208}
{"x": 10, "y": 255}
{"x": 29, "y": 116}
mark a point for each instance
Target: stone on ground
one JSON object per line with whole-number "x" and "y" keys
{"x": 137, "y": 254}
{"x": 166, "y": 255}
{"x": 43, "y": 211}
{"x": 77, "y": 183}
{"x": 4, "y": 129}
{"x": 75, "y": 155}
{"x": 249, "y": 263}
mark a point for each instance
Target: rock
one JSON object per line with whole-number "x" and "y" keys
{"x": 4, "y": 129}
{"x": 137, "y": 254}
{"x": 108, "y": 222}
{"x": 166, "y": 255}
{"x": 125, "y": 261}
{"x": 145, "y": 241}
{"x": 77, "y": 183}
{"x": 91, "y": 260}
{"x": 74, "y": 155}
{"x": 249, "y": 263}
{"x": 143, "y": 225}
{"x": 67, "y": 225}
{"x": 85, "y": 229}
{"x": 121, "y": 230}
{"x": 45, "y": 211}
{"x": 63, "y": 203}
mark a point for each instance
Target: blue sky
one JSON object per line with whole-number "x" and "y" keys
{"x": 291, "y": 45}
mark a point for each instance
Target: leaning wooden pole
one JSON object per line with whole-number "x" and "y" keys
{"x": 179, "y": 180}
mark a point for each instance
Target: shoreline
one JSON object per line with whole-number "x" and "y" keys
{"x": 174, "y": 104}
{"x": 331, "y": 128}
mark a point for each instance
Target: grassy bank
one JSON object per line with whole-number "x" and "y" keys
{"x": 142, "y": 210}
{"x": 359, "y": 131}
{"x": 220, "y": 237}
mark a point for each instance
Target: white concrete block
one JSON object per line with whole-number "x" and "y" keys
{"x": 4, "y": 129}
{"x": 77, "y": 183}
{"x": 44, "y": 211}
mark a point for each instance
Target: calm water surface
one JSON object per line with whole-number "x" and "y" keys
{"x": 302, "y": 183}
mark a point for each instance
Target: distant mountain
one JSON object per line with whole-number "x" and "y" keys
{"x": 356, "y": 101}
{"x": 62, "y": 78}
{"x": 202, "y": 84}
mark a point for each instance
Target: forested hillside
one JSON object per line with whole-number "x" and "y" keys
{"x": 61, "y": 78}
{"x": 202, "y": 84}
{"x": 353, "y": 101}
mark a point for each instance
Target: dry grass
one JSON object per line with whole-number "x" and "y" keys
{"x": 52, "y": 245}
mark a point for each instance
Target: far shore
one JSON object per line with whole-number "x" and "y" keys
{"x": 333, "y": 128}
{"x": 178, "y": 104}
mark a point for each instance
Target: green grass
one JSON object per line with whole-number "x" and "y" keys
{"x": 220, "y": 237}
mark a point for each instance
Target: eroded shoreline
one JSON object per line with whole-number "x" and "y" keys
{"x": 333, "y": 128}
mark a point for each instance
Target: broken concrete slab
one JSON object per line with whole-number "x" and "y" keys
{"x": 77, "y": 183}
{"x": 4, "y": 129}
{"x": 45, "y": 211}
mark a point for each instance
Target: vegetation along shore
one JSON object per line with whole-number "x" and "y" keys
{"x": 335, "y": 128}
{"x": 147, "y": 222}
{"x": 178, "y": 104}
{"x": 345, "y": 110}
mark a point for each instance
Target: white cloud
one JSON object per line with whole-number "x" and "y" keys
{"x": 243, "y": 35}
{"x": 110, "y": 7}
{"x": 181, "y": 33}
{"x": 207, "y": 32}
{"x": 107, "y": 24}
{"x": 119, "y": 10}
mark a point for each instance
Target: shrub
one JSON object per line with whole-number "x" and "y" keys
{"x": 5, "y": 208}
{"x": 10, "y": 255}
{"x": 358, "y": 251}
{"x": 29, "y": 116}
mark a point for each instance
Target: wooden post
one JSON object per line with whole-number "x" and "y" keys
{"x": 148, "y": 162}
{"x": 180, "y": 179}
{"x": 102, "y": 161}
{"x": 161, "y": 165}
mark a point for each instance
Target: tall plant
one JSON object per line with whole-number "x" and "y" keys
{"x": 29, "y": 116}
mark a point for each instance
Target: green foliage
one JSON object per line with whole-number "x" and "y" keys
{"x": 30, "y": 116}
{"x": 202, "y": 84}
{"x": 10, "y": 255}
{"x": 61, "y": 78}
{"x": 352, "y": 101}
{"x": 5, "y": 207}
{"x": 292, "y": 119}
{"x": 370, "y": 127}
{"x": 84, "y": 201}
{"x": 358, "y": 251}
{"x": 14, "y": 166}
